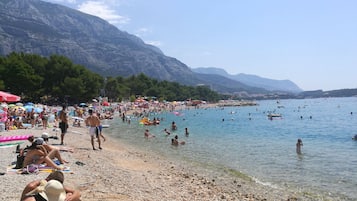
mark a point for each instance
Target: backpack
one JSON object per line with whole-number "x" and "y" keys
{"x": 19, "y": 161}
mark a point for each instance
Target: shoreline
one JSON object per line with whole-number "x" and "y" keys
{"x": 124, "y": 172}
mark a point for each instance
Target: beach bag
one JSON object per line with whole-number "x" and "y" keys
{"x": 19, "y": 161}
{"x": 31, "y": 169}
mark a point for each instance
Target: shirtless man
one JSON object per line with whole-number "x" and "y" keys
{"x": 63, "y": 124}
{"x": 93, "y": 122}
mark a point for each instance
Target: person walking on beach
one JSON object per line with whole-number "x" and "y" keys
{"x": 63, "y": 124}
{"x": 93, "y": 122}
{"x": 298, "y": 146}
{"x": 100, "y": 128}
{"x": 44, "y": 117}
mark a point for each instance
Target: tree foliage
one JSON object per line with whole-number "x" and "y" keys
{"x": 56, "y": 79}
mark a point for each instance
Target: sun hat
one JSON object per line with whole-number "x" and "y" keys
{"x": 44, "y": 136}
{"x": 39, "y": 141}
{"x": 54, "y": 191}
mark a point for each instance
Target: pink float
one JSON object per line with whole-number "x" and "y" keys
{"x": 14, "y": 138}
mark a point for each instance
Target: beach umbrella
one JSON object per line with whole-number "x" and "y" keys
{"x": 29, "y": 108}
{"x": 105, "y": 103}
{"x": 3, "y": 105}
{"x": 29, "y": 103}
{"x": 11, "y": 105}
{"x": 7, "y": 97}
{"x": 82, "y": 105}
{"x": 19, "y": 104}
{"x": 38, "y": 110}
{"x": 19, "y": 108}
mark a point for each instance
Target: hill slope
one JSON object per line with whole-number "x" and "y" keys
{"x": 253, "y": 80}
{"x": 33, "y": 26}
{"x": 37, "y": 27}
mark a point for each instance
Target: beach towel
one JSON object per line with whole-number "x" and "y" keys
{"x": 6, "y": 145}
{"x": 40, "y": 169}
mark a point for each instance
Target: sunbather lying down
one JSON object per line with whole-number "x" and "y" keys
{"x": 51, "y": 188}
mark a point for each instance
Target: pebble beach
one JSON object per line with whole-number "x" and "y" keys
{"x": 121, "y": 172}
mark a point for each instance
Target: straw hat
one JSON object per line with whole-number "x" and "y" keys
{"x": 54, "y": 191}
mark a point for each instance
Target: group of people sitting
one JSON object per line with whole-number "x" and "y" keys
{"x": 40, "y": 152}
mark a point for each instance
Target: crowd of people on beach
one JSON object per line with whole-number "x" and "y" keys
{"x": 40, "y": 153}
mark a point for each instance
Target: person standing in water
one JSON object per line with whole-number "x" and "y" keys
{"x": 298, "y": 146}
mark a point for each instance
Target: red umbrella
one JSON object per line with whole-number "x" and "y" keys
{"x": 6, "y": 97}
{"x": 105, "y": 103}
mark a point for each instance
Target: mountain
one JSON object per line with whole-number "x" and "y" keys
{"x": 38, "y": 27}
{"x": 43, "y": 28}
{"x": 254, "y": 80}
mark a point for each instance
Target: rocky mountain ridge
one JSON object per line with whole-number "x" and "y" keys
{"x": 38, "y": 27}
{"x": 253, "y": 80}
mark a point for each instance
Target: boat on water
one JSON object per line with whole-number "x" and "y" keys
{"x": 274, "y": 115}
{"x": 354, "y": 138}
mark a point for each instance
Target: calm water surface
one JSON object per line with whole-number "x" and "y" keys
{"x": 244, "y": 139}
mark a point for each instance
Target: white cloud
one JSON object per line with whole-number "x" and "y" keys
{"x": 154, "y": 43}
{"x": 103, "y": 10}
{"x": 65, "y": 1}
{"x": 142, "y": 32}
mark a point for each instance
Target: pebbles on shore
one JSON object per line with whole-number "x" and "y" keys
{"x": 121, "y": 172}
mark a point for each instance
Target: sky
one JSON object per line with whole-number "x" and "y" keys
{"x": 313, "y": 43}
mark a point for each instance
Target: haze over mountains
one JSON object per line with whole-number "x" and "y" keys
{"x": 37, "y": 27}
{"x": 253, "y": 80}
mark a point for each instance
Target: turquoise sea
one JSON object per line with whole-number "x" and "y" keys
{"x": 245, "y": 140}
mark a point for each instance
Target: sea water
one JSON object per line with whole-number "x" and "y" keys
{"x": 246, "y": 140}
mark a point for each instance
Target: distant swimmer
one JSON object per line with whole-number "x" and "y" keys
{"x": 147, "y": 134}
{"x": 176, "y": 142}
{"x": 355, "y": 137}
{"x": 173, "y": 126}
{"x": 167, "y": 132}
{"x": 298, "y": 146}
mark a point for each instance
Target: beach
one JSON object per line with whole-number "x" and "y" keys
{"x": 121, "y": 172}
